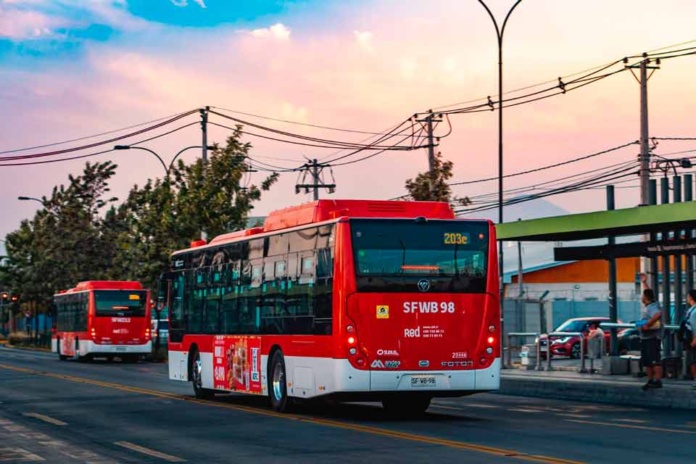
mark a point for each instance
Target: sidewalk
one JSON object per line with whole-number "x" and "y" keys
{"x": 568, "y": 384}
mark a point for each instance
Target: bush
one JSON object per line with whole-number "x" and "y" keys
{"x": 19, "y": 338}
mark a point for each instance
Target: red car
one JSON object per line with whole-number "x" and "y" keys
{"x": 570, "y": 345}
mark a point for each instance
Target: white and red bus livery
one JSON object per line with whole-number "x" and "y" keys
{"x": 389, "y": 301}
{"x": 102, "y": 318}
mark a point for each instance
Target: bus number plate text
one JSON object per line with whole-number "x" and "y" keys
{"x": 423, "y": 381}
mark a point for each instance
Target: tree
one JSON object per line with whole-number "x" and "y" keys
{"x": 427, "y": 187}
{"x": 164, "y": 216}
{"x": 64, "y": 243}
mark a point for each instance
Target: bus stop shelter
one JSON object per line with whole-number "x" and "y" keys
{"x": 668, "y": 231}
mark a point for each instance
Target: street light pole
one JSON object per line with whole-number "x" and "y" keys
{"x": 30, "y": 198}
{"x": 500, "y": 31}
{"x": 129, "y": 147}
{"x": 183, "y": 150}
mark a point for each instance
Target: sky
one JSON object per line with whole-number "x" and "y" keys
{"x": 75, "y": 68}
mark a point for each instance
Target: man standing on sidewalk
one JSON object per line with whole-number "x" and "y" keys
{"x": 691, "y": 326}
{"x": 650, "y": 342}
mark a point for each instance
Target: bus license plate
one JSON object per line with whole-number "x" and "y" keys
{"x": 120, "y": 348}
{"x": 423, "y": 381}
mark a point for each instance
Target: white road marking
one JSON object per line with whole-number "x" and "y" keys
{"x": 149, "y": 452}
{"x": 50, "y": 420}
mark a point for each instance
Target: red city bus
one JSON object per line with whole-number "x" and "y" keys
{"x": 102, "y": 318}
{"x": 389, "y": 301}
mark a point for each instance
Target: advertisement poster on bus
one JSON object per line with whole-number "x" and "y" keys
{"x": 237, "y": 362}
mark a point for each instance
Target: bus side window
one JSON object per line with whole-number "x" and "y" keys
{"x": 176, "y": 311}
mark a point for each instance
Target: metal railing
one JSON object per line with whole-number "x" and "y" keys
{"x": 508, "y": 363}
{"x": 566, "y": 334}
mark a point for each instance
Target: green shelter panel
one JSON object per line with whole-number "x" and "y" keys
{"x": 628, "y": 221}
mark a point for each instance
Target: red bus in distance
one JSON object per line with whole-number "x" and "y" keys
{"x": 102, "y": 319}
{"x": 353, "y": 300}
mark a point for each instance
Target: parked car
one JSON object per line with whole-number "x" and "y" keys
{"x": 570, "y": 345}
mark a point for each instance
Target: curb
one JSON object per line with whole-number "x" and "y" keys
{"x": 671, "y": 396}
{"x": 27, "y": 348}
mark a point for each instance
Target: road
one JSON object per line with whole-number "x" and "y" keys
{"x": 99, "y": 412}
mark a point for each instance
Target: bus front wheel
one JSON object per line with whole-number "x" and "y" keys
{"x": 197, "y": 378}
{"x": 406, "y": 406}
{"x": 277, "y": 383}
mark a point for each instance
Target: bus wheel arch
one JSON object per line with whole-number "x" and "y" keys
{"x": 62, "y": 357}
{"x": 277, "y": 380}
{"x": 196, "y": 374}
{"x": 190, "y": 360}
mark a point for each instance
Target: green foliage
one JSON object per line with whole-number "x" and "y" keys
{"x": 427, "y": 187}
{"x": 83, "y": 234}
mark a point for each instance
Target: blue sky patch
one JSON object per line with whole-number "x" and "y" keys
{"x": 215, "y": 13}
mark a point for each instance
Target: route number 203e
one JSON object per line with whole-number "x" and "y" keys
{"x": 455, "y": 238}
{"x": 432, "y": 307}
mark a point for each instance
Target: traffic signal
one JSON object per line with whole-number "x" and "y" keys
{"x": 5, "y": 297}
{"x": 14, "y": 298}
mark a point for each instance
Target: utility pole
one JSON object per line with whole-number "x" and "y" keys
{"x": 315, "y": 169}
{"x": 644, "y": 172}
{"x": 204, "y": 152}
{"x": 429, "y": 119}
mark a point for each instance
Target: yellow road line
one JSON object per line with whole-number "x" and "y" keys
{"x": 639, "y": 427}
{"x": 149, "y": 452}
{"x": 308, "y": 419}
{"x": 50, "y": 420}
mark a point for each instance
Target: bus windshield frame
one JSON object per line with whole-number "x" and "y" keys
{"x": 120, "y": 303}
{"x": 395, "y": 255}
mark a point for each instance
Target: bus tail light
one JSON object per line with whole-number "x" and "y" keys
{"x": 147, "y": 333}
{"x": 93, "y": 332}
{"x": 490, "y": 340}
{"x": 351, "y": 340}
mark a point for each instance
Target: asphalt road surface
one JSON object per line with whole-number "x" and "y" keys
{"x": 100, "y": 412}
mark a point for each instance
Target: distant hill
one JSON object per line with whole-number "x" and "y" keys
{"x": 533, "y": 209}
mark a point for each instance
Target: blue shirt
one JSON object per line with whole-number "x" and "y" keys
{"x": 648, "y": 312}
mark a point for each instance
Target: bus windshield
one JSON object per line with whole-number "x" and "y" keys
{"x": 123, "y": 303}
{"x": 435, "y": 250}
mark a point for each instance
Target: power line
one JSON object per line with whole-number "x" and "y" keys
{"x": 97, "y": 144}
{"x": 89, "y": 136}
{"x": 31, "y": 163}
{"x": 550, "y": 166}
{"x": 297, "y": 122}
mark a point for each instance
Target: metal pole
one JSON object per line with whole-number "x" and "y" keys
{"x": 500, "y": 33}
{"x": 666, "y": 300}
{"x": 678, "y": 286}
{"x": 689, "y": 196}
{"x": 204, "y": 149}
{"x": 582, "y": 353}
{"x": 613, "y": 303}
{"x": 315, "y": 176}
{"x": 431, "y": 152}
{"x": 652, "y": 190}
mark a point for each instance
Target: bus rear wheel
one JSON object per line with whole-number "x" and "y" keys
{"x": 197, "y": 378}
{"x": 62, "y": 357}
{"x": 277, "y": 383}
{"x": 406, "y": 406}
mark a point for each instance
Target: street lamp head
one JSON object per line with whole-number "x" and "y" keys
{"x": 122, "y": 147}
{"x": 23, "y": 198}
{"x": 685, "y": 163}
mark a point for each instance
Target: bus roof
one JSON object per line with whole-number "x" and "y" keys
{"x": 104, "y": 285}
{"x": 316, "y": 212}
